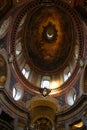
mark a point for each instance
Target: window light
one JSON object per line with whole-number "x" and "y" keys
{"x": 71, "y": 97}
{"x": 17, "y": 93}
{"x": 18, "y": 48}
{"x": 45, "y": 84}
{"x": 26, "y": 71}
{"x": 67, "y": 75}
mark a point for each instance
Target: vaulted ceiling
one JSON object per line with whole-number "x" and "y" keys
{"x": 43, "y": 58}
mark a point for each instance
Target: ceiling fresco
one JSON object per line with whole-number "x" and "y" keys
{"x": 48, "y": 40}
{"x": 44, "y": 42}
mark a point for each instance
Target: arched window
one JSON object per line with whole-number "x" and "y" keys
{"x": 17, "y": 92}
{"x": 18, "y": 48}
{"x": 26, "y": 71}
{"x": 45, "y": 82}
{"x": 71, "y": 97}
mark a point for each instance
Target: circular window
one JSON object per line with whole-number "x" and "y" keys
{"x": 17, "y": 92}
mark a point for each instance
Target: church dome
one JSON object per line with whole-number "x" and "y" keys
{"x": 46, "y": 41}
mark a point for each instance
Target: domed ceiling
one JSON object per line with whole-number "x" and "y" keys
{"x": 48, "y": 41}
{"x": 47, "y": 33}
{"x": 43, "y": 61}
